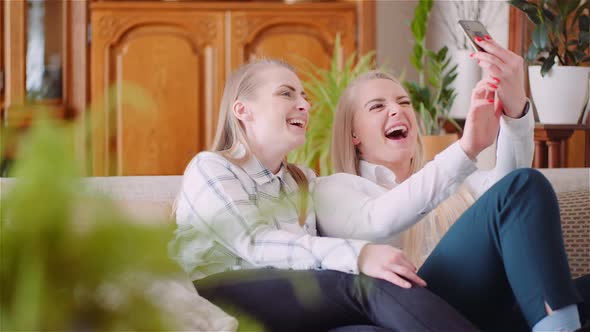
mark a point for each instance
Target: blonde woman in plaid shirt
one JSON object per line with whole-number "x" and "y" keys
{"x": 247, "y": 234}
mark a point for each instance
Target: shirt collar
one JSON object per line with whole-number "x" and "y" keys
{"x": 378, "y": 174}
{"x": 256, "y": 169}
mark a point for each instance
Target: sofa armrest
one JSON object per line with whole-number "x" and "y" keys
{"x": 574, "y": 209}
{"x": 568, "y": 179}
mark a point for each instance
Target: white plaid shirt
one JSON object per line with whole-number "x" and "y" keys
{"x": 234, "y": 217}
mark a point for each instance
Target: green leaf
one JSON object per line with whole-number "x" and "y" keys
{"x": 442, "y": 53}
{"x": 549, "y": 62}
{"x": 532, "y": 52}
{"x": 534, "y": 13}
{"x": 577, "y": 15}
{"x": 584, "y": 23}
{"x": 416, "y": 63}
{"x": 418, "y": 52}
{"x": 519, "y": 4}
{"x": 571, "y": 5}
{"x": 418, "y": 25}
{"x": 540, "y": 36}
{"x": 567, "y": 6}
{"x": 548, "y": 15}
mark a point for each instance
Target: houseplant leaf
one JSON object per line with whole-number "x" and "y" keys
{"x": 540, "y": 36}
{"x": 324, "y": 88}
{"x": 549, "y": 62}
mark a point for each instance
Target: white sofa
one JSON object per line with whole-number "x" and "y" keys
{"x": 150, "y": 199}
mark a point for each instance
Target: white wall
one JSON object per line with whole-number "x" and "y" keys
{"x": 394, "y": 38}
{"x": 495, "y": 19}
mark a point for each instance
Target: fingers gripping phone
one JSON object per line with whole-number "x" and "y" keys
{"x": 473, "y": 29}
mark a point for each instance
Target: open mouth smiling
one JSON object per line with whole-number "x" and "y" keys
{"x": 297, "y": 122}
{"x": 397, "y": 132}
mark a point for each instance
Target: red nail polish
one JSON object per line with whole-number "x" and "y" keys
{"x": 493, "y": 85}
{"x": 478, "y": 38}
{"x": 491, "y": 100}
{"x": 488, "y": 37}
{"x": 496, "y": 79}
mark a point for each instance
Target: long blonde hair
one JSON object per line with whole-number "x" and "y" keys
{"x": 230, "y": 134}
{"x": 345, "y": 155}
{"x": 346, "y": 158}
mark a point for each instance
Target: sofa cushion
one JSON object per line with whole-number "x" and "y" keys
{"x": 147, "y": 211}
{"x": 190, "y": 311}
{"x": 575, "y": 220}
{"x": 567, "y": 179}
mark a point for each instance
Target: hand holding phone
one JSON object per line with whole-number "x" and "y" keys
{"x": 502, "y": 65}
{"x": 473, "y": 29}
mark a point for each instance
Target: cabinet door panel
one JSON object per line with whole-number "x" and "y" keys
{"x": 292, "y": 36}
{"x": 157, "y": 80}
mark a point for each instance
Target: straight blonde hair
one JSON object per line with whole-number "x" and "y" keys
{"x": 346, "y": 158}
{"x": 230, "y": 135}
{"x": 345, "y": 155}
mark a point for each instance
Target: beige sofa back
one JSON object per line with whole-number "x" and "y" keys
{"x": 140, "y": 191}
{"x": 150, "y": 199}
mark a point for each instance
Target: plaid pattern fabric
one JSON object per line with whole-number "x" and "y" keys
{"x": 238, "y": 217}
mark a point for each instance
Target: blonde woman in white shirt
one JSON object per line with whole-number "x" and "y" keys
{"x": 506, "y": 247}
{"x": 247, "y": 234}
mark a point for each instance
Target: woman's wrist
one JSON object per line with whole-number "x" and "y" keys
{"x": 468, "y": 149}
{"x": 522, "y": 109}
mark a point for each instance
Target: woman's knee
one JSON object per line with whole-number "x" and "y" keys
{"x": 531, "y": 180}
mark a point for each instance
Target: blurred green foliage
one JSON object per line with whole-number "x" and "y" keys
{"x": 69, "y": 259}
{"x": 433, "y": 94}
{"x": 324, "y": 88}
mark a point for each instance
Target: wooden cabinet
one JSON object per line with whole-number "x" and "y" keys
{"x": 148, "y": 75}
{"x": 294, "y": 36}
{"x": 42, "y": 67}
{"x": 157, "y": 76}
{"x": 158, "y": 69}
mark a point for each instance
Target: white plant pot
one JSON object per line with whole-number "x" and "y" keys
{"x": 561, "y": 96}
{"x": 469, "y": 73}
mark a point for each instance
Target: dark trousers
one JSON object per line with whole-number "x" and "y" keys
{"x": 505, "y": 256}
{"x": 286, "y": 300}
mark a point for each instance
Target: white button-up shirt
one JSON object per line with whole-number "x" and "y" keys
{"x": 233, "y": 217}
{"x": 374, "y": 207}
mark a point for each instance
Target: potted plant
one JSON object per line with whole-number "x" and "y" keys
{"x": 432, "y": 95}
{"x": 324, "y": 88}
{"x": 558, "y": 52}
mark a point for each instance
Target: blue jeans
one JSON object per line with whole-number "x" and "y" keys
{"x": 505, "y": 251}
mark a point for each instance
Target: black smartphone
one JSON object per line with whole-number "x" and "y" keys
{"x": 473, "y": 29}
